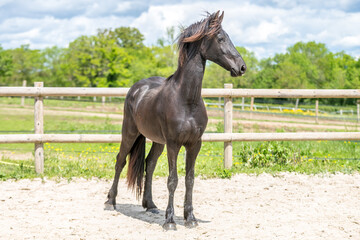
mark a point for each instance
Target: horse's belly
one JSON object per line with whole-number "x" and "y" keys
{"x": 152, "y": 135}
{"x": 150, "y": 129}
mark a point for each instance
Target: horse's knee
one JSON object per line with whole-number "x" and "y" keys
{"x": 172, "y": 182}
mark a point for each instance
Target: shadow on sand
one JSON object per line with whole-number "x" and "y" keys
{"x": 138, "y": 212}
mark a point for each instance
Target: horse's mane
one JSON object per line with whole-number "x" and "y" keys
{"x": 189, "y": 41}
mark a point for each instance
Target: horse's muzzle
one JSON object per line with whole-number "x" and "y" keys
{"x": 236, "y": 73}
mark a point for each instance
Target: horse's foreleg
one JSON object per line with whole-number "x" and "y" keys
{"x": 172, "y": 151}
{"x": 151, "y": 160}
{"x": 191, "y": 154}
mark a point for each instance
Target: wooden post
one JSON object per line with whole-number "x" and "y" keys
{"x": 228, "y": 128}
{"x": 296, "y": 104}
{"x": 39, "y": 129}
{"x": 252, "y": 104}
{"x": 23, "y": 97}
{"x": 243, "y": 104}
{"x": 317, "y": 111}
{"x": 103, "y": 101}
{"x": 358, "y": 111}
{"x": 251, "y": 107}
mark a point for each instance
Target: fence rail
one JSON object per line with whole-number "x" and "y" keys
{"x": 206, "y": 92}
{"x": 207, "y": 137}
{"x": 38, "y": 92}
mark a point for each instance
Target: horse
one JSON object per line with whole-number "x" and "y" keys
{"x": 171, "y": 111}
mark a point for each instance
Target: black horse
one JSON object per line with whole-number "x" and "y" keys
{"x": 171, "y": 111}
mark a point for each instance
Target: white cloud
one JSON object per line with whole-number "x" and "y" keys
{"x": 124, "y": 6}
{"x": 351, "y": 41}
{"x": 266, "y": 31}
{"x": 263, "y": 26}
{"x": 48, "y": 31}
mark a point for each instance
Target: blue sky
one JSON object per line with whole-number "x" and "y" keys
{"x": 265, "y": 27}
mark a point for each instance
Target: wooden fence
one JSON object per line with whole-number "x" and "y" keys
{"x": 39, "y": 138}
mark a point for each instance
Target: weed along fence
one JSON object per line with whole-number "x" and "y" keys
{"x": 39, "y": 138}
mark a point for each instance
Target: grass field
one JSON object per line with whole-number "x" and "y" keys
{"x": 97, "y": 160}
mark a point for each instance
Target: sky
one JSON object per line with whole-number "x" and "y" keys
{"x": 265, "y": 27}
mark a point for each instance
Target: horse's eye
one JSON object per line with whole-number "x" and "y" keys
{"x": 221, "y": 39}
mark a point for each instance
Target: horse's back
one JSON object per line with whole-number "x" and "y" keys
{"x": 143, "y": 89}
{"x": 152, "y": 82}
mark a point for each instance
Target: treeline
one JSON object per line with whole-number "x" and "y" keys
{"x": 118, "y": 58}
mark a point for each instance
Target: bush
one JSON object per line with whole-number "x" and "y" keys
{"x": 269, "y": 154}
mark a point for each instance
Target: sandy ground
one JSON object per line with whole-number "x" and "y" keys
{"x": 287, "y": 206}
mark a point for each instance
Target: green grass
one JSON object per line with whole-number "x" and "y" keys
{"x": 98, "y": 160}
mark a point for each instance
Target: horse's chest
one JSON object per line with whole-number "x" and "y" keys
{"x": 191, "y": 129}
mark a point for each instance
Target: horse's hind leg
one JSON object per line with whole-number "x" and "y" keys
{"x": 129, "y": 135}
{"x": 151, "y": 160}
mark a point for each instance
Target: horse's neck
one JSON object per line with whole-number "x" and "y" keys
{"x": 189, "y": 79}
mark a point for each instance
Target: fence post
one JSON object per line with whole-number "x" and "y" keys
{"x": 358, "y": 111}
{"x": 23, "y": 97}
{"x": 39, "y": 129}
{"x": 251, "y": 106}
{"x": 243, "y": 103}
{"x": 103, "y": 101}
{"x": 228, "y": 128}
{"x": 317, "y": 111}
{"x": 296, "y": 104}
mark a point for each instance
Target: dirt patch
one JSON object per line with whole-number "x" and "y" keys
{"x": 288, "y": 206}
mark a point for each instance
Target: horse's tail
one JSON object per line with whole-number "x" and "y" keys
{"x": 136, "y": 165}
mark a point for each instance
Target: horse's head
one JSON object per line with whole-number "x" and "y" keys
{"x": 213, "y": 43}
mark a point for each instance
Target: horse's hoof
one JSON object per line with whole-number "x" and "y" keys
{"x": 153, "y": 210}
{"x": 169, "y": 226}
{"x": 109, "y": 207}
{"x": 191, "y": 224}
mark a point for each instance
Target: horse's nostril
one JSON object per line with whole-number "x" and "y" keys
{"x": 243, "y": 69}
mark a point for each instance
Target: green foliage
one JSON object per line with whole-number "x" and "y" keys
{"x": 6, "y": 64}
{"x": 269, "y": 154}
{"x": 26, "y": 64}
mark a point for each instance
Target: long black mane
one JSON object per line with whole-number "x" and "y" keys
{"x": 189, "y": 41}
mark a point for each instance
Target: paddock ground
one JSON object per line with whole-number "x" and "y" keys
{"x": 285, "y": 206}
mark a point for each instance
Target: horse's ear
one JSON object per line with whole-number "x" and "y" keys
{"x": 217, "y": 14}
{"x": 221, "y": 17}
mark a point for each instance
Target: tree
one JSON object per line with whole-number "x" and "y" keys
{"x": 54, "y": 70}
{"x": 165, "y": 54}
{"x": 26, "y": 65}
{"x": 6, "y": 65}
{"x": 289, "y": 75}
{"x": 127, "y": 37}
